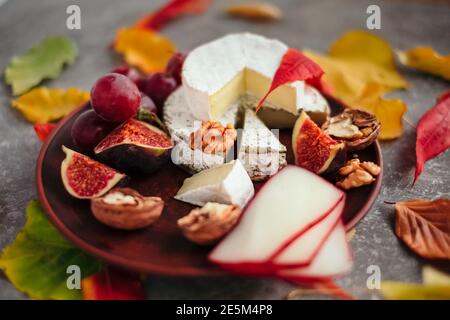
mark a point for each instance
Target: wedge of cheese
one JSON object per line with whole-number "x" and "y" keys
{"x": 217, "y": 74}
{"x": 226, "y": 184}
{"x": 181, "y": 123}
{"x": 259, "y": 150}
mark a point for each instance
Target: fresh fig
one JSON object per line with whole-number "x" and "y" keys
{"x": 85, "y": 178}
{"x": 314, "y": 149}
{"x": 135, "y": 147}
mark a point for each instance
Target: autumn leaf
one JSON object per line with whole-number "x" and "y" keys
{"x": 36, "y": 262}
{"x": 43, "y": 130}
{"x": 45, "y": 105}
{"x": 413, "y": 291}
{"x": 255, "y": 11}
{"x": 360, "y": 68}
{"x": 144, "y": 49}
{"x": 433, "y": 132}
{"x": 424, "y": 226}
{"x": 44, "y": 61}
{"x": 388, "y": 111}
{"x": 432, "y": 275}
{"x": 427, "y": 60}
{"x": 294, "y": 66}
{"x": 172, "y": 10}
{"x": 113, "y": 284}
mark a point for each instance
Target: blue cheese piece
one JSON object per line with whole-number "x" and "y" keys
{"x": 261, "y": 153}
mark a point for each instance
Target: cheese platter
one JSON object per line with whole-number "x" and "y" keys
{"x": 169, "y": 197}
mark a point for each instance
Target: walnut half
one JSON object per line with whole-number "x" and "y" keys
{"x": 210, "y": 223}
{"x": 213, "y": 138}
{"x": 357, "y": 174}
{"x": 356, "y": 128}
{"x": 125, "y": 208}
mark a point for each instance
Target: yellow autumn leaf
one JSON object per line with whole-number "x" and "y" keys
{"x": 45, "y": 105}
{"x": 360, "y": 67}
{"x": 144, "y": 49}
{"x": 388, "y": 111}
{"x": 392, "y": 290}
{"x": 432, "y": 275}
{"x": 427, "y": 60}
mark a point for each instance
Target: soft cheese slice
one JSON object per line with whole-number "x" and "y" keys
{"x": 261, "y": 153}
{"x": 226, "y": 184}
{"x": 216, "y": 74}
{"x": 194, "y": 161}
{"x": 180, "y": 121}
{"x": 289, "y": 204}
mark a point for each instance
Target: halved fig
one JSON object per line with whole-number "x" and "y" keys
{"x": 314, "y": 149}
{"x": 135, "y": 147}
{"x": 356, "y": 128}
{"x": 85, "y": 178}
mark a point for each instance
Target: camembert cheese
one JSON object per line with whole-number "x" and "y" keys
{"x": 217, "y": 74}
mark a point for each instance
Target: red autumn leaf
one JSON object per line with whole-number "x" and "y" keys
{"x": 172, "y": 10}
{"x": 43, "y": 130}
{"x": 424, "y": 226}
{"x": 433, "y": 132}
{"x": 113, "y": 284}
{"x": 295, "y": 66}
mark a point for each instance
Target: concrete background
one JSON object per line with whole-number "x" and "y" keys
{"x": 307, "y": 24}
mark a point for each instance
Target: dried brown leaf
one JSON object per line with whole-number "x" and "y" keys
{"x": 255, "y": 11}
{"x": 424, "y": 226}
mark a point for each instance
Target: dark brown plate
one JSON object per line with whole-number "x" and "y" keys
{"x": 160, "y": 248}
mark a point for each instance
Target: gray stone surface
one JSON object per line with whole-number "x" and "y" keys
{"x": 307, "y": 24}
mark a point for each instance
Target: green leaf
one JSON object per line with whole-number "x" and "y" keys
{"x": 36, "y": 262}
{"x": 44, "y": 61}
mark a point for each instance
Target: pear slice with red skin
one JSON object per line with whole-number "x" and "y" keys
{"x": 333, "y": 260}
{"x": 85, "y": 178}
{"x": 287, "y": 206}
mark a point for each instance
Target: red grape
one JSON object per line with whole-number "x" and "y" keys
{"x": 175, "y": 65}
{"x": 148, "y": 104}
{"x": 115, "y": 97}
{"x": 129, "y": 72}
{"x": 158, "y": 87}
{"x": 89, "y": 129}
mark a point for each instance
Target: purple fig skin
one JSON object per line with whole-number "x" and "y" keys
{"x": 133, "y": 159}
{"x": 133, "y": 156}
{"x": 338, "y": 162}
{"x": 89, "y": 129}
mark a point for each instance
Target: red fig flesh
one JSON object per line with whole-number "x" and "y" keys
{"x": 135, "y": 147}
{"x": 85, "y": 178}
{"x": 314, "y": 149}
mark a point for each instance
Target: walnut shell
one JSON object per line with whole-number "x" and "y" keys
{"x": 358, "y": 129}
{"x": 207, "y": 225}
{"x": 125, "y": 208}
